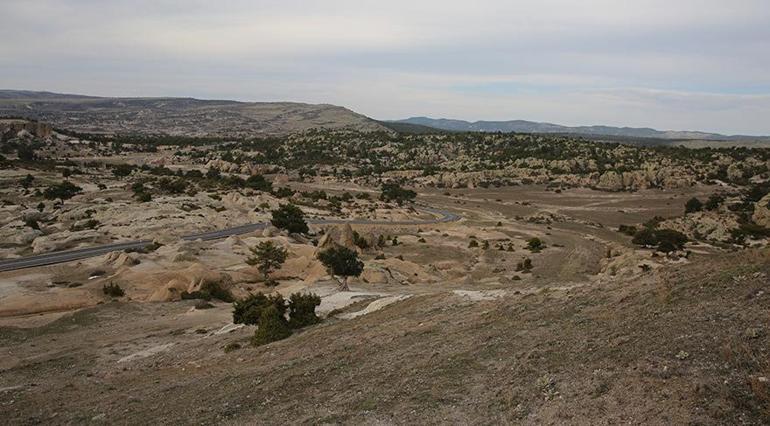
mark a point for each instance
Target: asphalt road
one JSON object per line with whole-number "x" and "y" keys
{"x": 84, "y": 253}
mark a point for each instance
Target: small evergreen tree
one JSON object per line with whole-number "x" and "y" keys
{"x": 267, "y": 256}
{"x": 343, "y": 262}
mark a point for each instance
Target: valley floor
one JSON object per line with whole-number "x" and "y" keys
{"x": 588, "y": 337}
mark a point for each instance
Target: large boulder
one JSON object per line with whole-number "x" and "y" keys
{"x": 762, "y": 212}
{"x": 610, "y": 181}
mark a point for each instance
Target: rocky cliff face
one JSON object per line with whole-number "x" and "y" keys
{"x": 12, "y": 128}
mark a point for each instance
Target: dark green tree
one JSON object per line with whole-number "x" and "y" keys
{"x": 693, "y": 205}
{"x": 290, "y": 218}
{"x": 248, "y": 310}
{"x": 302, "y": 310}
{"x": 267, "y": 256}
{"x": 64, "y": 190}
{"x": 259, "y": 183}
{"x": 394, "y": 192}
{"x": 271, "y": 327}
{"x": 343, "y": 262}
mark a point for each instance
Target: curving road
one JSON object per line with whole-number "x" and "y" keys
{"x": 84, "y": 253}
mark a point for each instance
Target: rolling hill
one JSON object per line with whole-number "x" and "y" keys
{"x": 178, "y": 116}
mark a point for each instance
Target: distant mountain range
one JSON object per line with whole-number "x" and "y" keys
{"x": 522, "y": 126}
{"x": 226, "y": 118}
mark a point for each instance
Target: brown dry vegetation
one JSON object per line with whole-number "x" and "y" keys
{"x": 688, "y": 346}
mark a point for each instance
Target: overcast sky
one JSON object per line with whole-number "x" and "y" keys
{"x": 683, "y": 65}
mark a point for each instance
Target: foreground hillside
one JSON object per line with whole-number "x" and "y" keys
{"x": 683, "y": 347}
{"x": 177, "y": 116}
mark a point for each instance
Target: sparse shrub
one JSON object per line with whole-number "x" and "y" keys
{"x": 282, "y": 192}
{"x": 302, "y": 310}
{"x": 359, "y": 241}
{"x": 89, "y": 224}
{"x": 693, "y": 205}
{"x": 172, "y": 186}
{"x": 473, "y": 244}
{"x": 670, "y": 240}
{"x": 645, "y": 237}
{"x": 202, "y": 304}
{"x": 113, "y": 290}
{"x": 138, "y": 187}
{"x": 394, "y": 241}
{"x": 421, "y": 240}
{"x": 64, "y": 190}
{"x": 714, "y": 201}
{"x": 210, "y": 290}
{"x": 272, "y": 326}
{"x": 535, "y": 244}
{"x": 249, "y": 310}
{"x": 485, "y": 245}
{"x": 122, "y": 170}
{"x": 394, "y": 192}
{"x": 25, "y": 153}
{"x": 524, "y": 266}
{"x": 666, "y": 240}
{"x": 232, "y": 346}
{"x": 749, "y": 230}
{"x": 629, "y": 230}
{"x": 258, "y": 183}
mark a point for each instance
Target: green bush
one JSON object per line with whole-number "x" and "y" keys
{"x": 122, "y": 170}
{"x": 232, "y": 346}
{"x": 259, "y": 183}
{"x": 341, "y": 261}
{"x": 666, "y": 240}
{"x": 394, "y": 192}
{"x": 64, "y": 190}
{"x": 535, "y": 244}
{"x": 751, "y": 230}
{"x": 524, "y": 266}
{"x": 290, "y": 218}
{"x": 209, "y": 290}
{"x": 714, "y": 201}
{"x": 271, "y": 327}
{"x": 302, "y": 310}
{"x": 113, "y": 290}
{"x": 360, "y": 241}
{"x": 248, "y": 310}
{"x": 629, "y": 230}
{"x": 282, "y": 192}
{"x": 693, "y": 205}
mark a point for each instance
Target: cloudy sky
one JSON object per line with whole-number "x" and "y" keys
{"x": 684, "y": 65}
